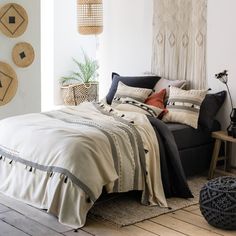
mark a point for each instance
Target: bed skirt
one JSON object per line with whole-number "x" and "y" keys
{"x": 51, "y": 191}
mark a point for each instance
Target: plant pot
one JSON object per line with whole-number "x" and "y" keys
{"x": 75, "y": 94}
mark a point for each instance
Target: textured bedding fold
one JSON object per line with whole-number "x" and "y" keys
{"x": 80, "y": 150}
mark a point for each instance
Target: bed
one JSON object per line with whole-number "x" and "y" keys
{"x": 62, "y": 160}
{"x": 195, "y": 152}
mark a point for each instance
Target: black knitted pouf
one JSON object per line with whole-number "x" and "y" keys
{"x": 218, "y": 202}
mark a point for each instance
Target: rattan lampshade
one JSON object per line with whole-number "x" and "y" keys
{"x": 90, "y": 16}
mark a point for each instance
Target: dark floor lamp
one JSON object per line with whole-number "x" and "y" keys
{"x": 223, "y": 77}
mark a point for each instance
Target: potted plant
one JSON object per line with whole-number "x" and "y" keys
{"x": 82, "y": 84}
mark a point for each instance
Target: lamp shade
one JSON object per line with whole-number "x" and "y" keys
{"x": 90, "y": 16}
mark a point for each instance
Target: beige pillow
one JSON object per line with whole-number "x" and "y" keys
{"x": 184, "y": 106}
{"x": 123, "y": 91}
{"x": 129, "y": 104}
{"x": 164, "y": 83}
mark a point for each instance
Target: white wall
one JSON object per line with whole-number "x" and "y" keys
{"x": 68, "y": 42}
{"x": 125, "y": 44}
{"x": 47, "y": 55}
{"x": 221, "y": 51}
{"x": 27, "y": 98}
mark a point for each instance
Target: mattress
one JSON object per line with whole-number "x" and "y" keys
{"x": 195, "y": 147}
{"x": 187, "y": 137}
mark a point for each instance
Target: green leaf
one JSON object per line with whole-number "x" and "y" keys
{"x": 86, "y": 73}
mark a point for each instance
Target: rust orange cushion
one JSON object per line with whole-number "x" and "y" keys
{"x": 157, "y": 99}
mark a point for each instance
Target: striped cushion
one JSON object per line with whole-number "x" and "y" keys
{"x": 129, "y": 104}
{"x": 123, "y": 91}
{"x": 184, "y": 106}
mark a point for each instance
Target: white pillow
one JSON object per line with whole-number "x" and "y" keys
{"x": 164, "y": 83}
{"x": 129, "y": 104}
{"x": 184, "y": 106}
{"x": 123, "y": 91}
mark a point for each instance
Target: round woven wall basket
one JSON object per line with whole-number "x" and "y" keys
{"x": 13, "y": 20}
{"x": 23, "y": 54}
{"x": 218, "y": 202}
{"x": 8, "y": 83}
{"x": 75, "y": 94}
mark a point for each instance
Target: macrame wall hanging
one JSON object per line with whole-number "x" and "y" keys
{"x": 179, "y": 40}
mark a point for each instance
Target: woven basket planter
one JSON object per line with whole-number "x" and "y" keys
{"x": 75, "y": 94}
{"x": 218, "y": 202}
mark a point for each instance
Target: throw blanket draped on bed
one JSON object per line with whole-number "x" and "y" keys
{"x": 61, "y": 160}
{"x": 172, "y": 173}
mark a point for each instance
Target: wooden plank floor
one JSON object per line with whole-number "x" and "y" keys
{"x": 18, "y": 219}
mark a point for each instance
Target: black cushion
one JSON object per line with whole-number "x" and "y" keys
{"x": 209, "y": 108}
{"x": 138, "y": 81}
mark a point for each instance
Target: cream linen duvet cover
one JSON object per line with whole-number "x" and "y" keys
{"x": 61, "y": 160}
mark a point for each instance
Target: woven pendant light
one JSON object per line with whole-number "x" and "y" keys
{"x": 90, "y": 16}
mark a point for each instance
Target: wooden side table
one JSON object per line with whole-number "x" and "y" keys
{"x": 221, "y": 136}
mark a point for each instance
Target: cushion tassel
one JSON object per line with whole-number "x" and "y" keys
{"x": 10, "y": 162}
{"x": 51, "y": 174}
{"x": 31, "y": 169}
{"x": 0, "y": 157}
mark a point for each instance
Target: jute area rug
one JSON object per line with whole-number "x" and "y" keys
{"x": 125, "y": 209}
